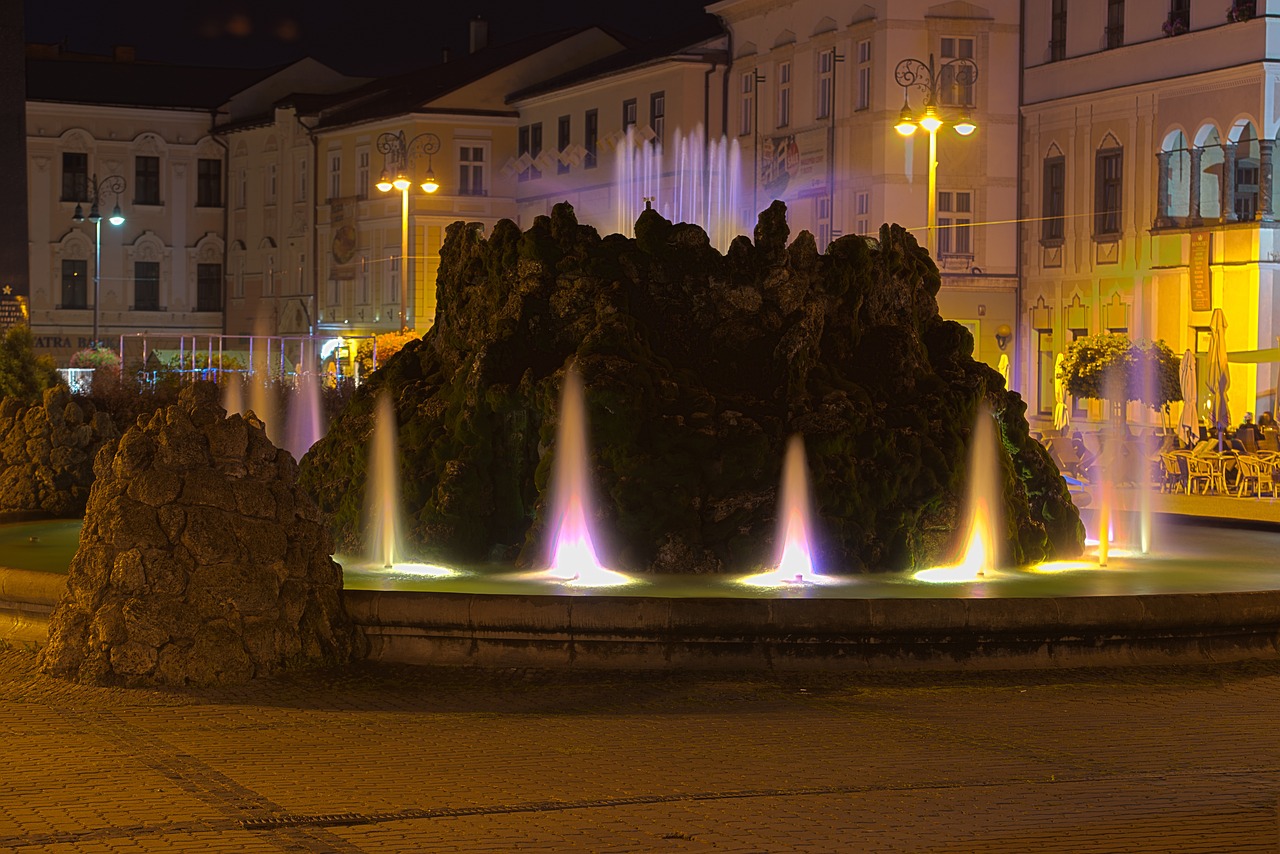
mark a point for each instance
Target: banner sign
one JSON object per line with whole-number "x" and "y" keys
{"x": 1201, "y": 294}
{"x": 343, "y": 221}
{"x": 795, "y": 165}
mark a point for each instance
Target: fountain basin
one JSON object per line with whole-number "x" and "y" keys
{"x": 1194, "y": 605}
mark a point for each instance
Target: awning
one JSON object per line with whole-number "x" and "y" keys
{"x": 1255, "y": 357}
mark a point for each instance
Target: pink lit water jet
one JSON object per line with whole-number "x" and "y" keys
{"x": 794, "y": 559}
{"x": 573, "y": 554}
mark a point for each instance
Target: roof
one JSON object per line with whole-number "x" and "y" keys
{"x": 405, "y": 93}
{"x": 697, "y": 44}
{"x": 136, "y": 84}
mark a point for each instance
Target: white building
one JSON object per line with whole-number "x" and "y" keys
{"x": 138, "y": 135}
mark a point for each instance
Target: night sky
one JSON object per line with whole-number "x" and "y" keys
{"x": 354, "y": 37}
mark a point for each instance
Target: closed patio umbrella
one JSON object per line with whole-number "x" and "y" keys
{"x": 1189, "y": 423}
{"x": 1003, "y": 367}
{"x": 1061, "y": 412}
{"x": 1219, "y": 379}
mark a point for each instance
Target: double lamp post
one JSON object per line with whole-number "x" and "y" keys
{"x": 113, "y": 185}
{"x": 400, "y": 157}
{"x": 958, "y": 74}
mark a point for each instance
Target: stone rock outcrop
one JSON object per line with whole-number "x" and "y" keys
{"x": 47, "y": 453}
{"x": 697, "y": 367}
{"x": 200, "y": 560}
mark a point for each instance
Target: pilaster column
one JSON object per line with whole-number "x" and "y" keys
{"x": 1193, "y": 201}
{"x": 1162, "y": 190}
{"x": 1265, "y": 172}
{"x": 1229, "y": 182}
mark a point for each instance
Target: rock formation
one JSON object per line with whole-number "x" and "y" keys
{"x": 47, "y": 451}
{"x": 698, "y": 367}
{"x": 200, "y": 561}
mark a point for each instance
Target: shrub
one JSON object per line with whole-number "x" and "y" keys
{"x": 23, "y": 375}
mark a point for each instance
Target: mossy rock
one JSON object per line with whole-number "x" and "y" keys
{"x": 698, "y": 367}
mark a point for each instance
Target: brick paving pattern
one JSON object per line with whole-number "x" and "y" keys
{"x": 384, "y": 759}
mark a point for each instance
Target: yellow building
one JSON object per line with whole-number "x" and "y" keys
{"x": 1147, "y": 163}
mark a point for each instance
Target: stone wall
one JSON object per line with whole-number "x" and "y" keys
{"x": 200, "y": 561}
{"x": 47, "y": 452}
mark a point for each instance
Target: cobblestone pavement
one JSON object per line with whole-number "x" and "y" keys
{"x": 385, "y": 759}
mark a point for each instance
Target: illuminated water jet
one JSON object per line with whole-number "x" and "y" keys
{"x": 794, "y": 560}
{"x": 383, "y": 487}
{"x": 573, "y": 554}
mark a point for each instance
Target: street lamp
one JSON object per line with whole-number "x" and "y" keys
{"x": 400, "y": 157}
{"x": 956, "y": 73}
{"x": 114, "y": 185}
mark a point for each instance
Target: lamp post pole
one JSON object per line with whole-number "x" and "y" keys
{"x": 114, "y": 185}
{"x": 960, "y": 74}
{"x": 399, "y": 158}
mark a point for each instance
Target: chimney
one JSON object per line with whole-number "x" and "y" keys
{"x": 479, "y": 33}
{"x": 123, "y": 53}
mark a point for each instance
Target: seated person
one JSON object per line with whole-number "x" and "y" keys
{"x": 1266, "y": 420}
{"x": 1247, "y": 433}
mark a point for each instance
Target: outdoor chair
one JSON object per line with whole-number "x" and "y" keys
{"x": 1202, "y": 474}
{"x": 1255, "y": 475}
{"x": 1175, "y": 471}
{"x": 1064, "y": 456}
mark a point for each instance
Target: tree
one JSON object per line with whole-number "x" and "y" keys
{"x": 1111, "y": 367}
{"x": 389, "y": 343}
{"x": 23, "y": 375}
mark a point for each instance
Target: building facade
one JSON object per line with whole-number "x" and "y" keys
{"x": 136, "y": 137}
{"x": 1149, "y": 132}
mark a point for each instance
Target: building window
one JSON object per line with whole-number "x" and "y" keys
{"x": 658, "y": 115}
{"x": 272, "y": 184}
{"x": 1053, "y": 225}
{"x": 471, "y": 170}
{"x": 1046, "y": 361}
{"x": 530, "y": 143}
{"x": 1246, "y": 190}
{"x": 748, "y": 102}
{"x": 208, "y": 287}
{"x": 333, "y": 294}
{"x": 146, "y": 180}
{"x": 590, "y": 138}
{"x": 562, "y": 143}
{"x": 362, "y": 283}
{"x": 822, "y": 213}
{"x": 862, "y": 212}
{"x": 146, "y": 286}
{"x": 1107, "y": 198}
{"x": 1058, "y": 31}
{"x": 208, "y": 183}
{"x": 1179, "y": 17}
{"x": 75, "y": 277}
{"x": 269, "y": 282}
{"x": 335, "y": 176}
{"x": 955, "y": 92}
{"x": 75, "y": 177}
{"x": 955, "y": 218}
{"x": 362, "y": 174}
{"x": 300, "y": 182}
{"x": 784, "y": 94}
{"x": 242, "y": 188}
{"x": 628, "y": 114}
{"x": 1115, "y": 24}
{"x": 826, "y": 66}
{"x": 862, "y": 100}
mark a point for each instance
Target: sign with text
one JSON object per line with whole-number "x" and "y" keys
{"x": 1201, "y": 293}
{"x": 13, "y": 307}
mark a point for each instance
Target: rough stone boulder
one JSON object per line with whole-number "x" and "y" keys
{"x": 47, "y": 453}
{"x": 200, "y": 560}
{"x": 698, "y": 366}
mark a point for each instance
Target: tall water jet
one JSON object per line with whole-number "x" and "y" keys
{"x": 232, "y": 392}
{"x": 984, "y": 498}
{"x": 383, "y": 486}
{"x": 793, "y": 558}
{"x": 573, "y": 554}
{"x": 306, "y": 418}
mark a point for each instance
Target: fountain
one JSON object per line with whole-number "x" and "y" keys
{"x": 699, "y": 370}
{"x": 305, "y": 422}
